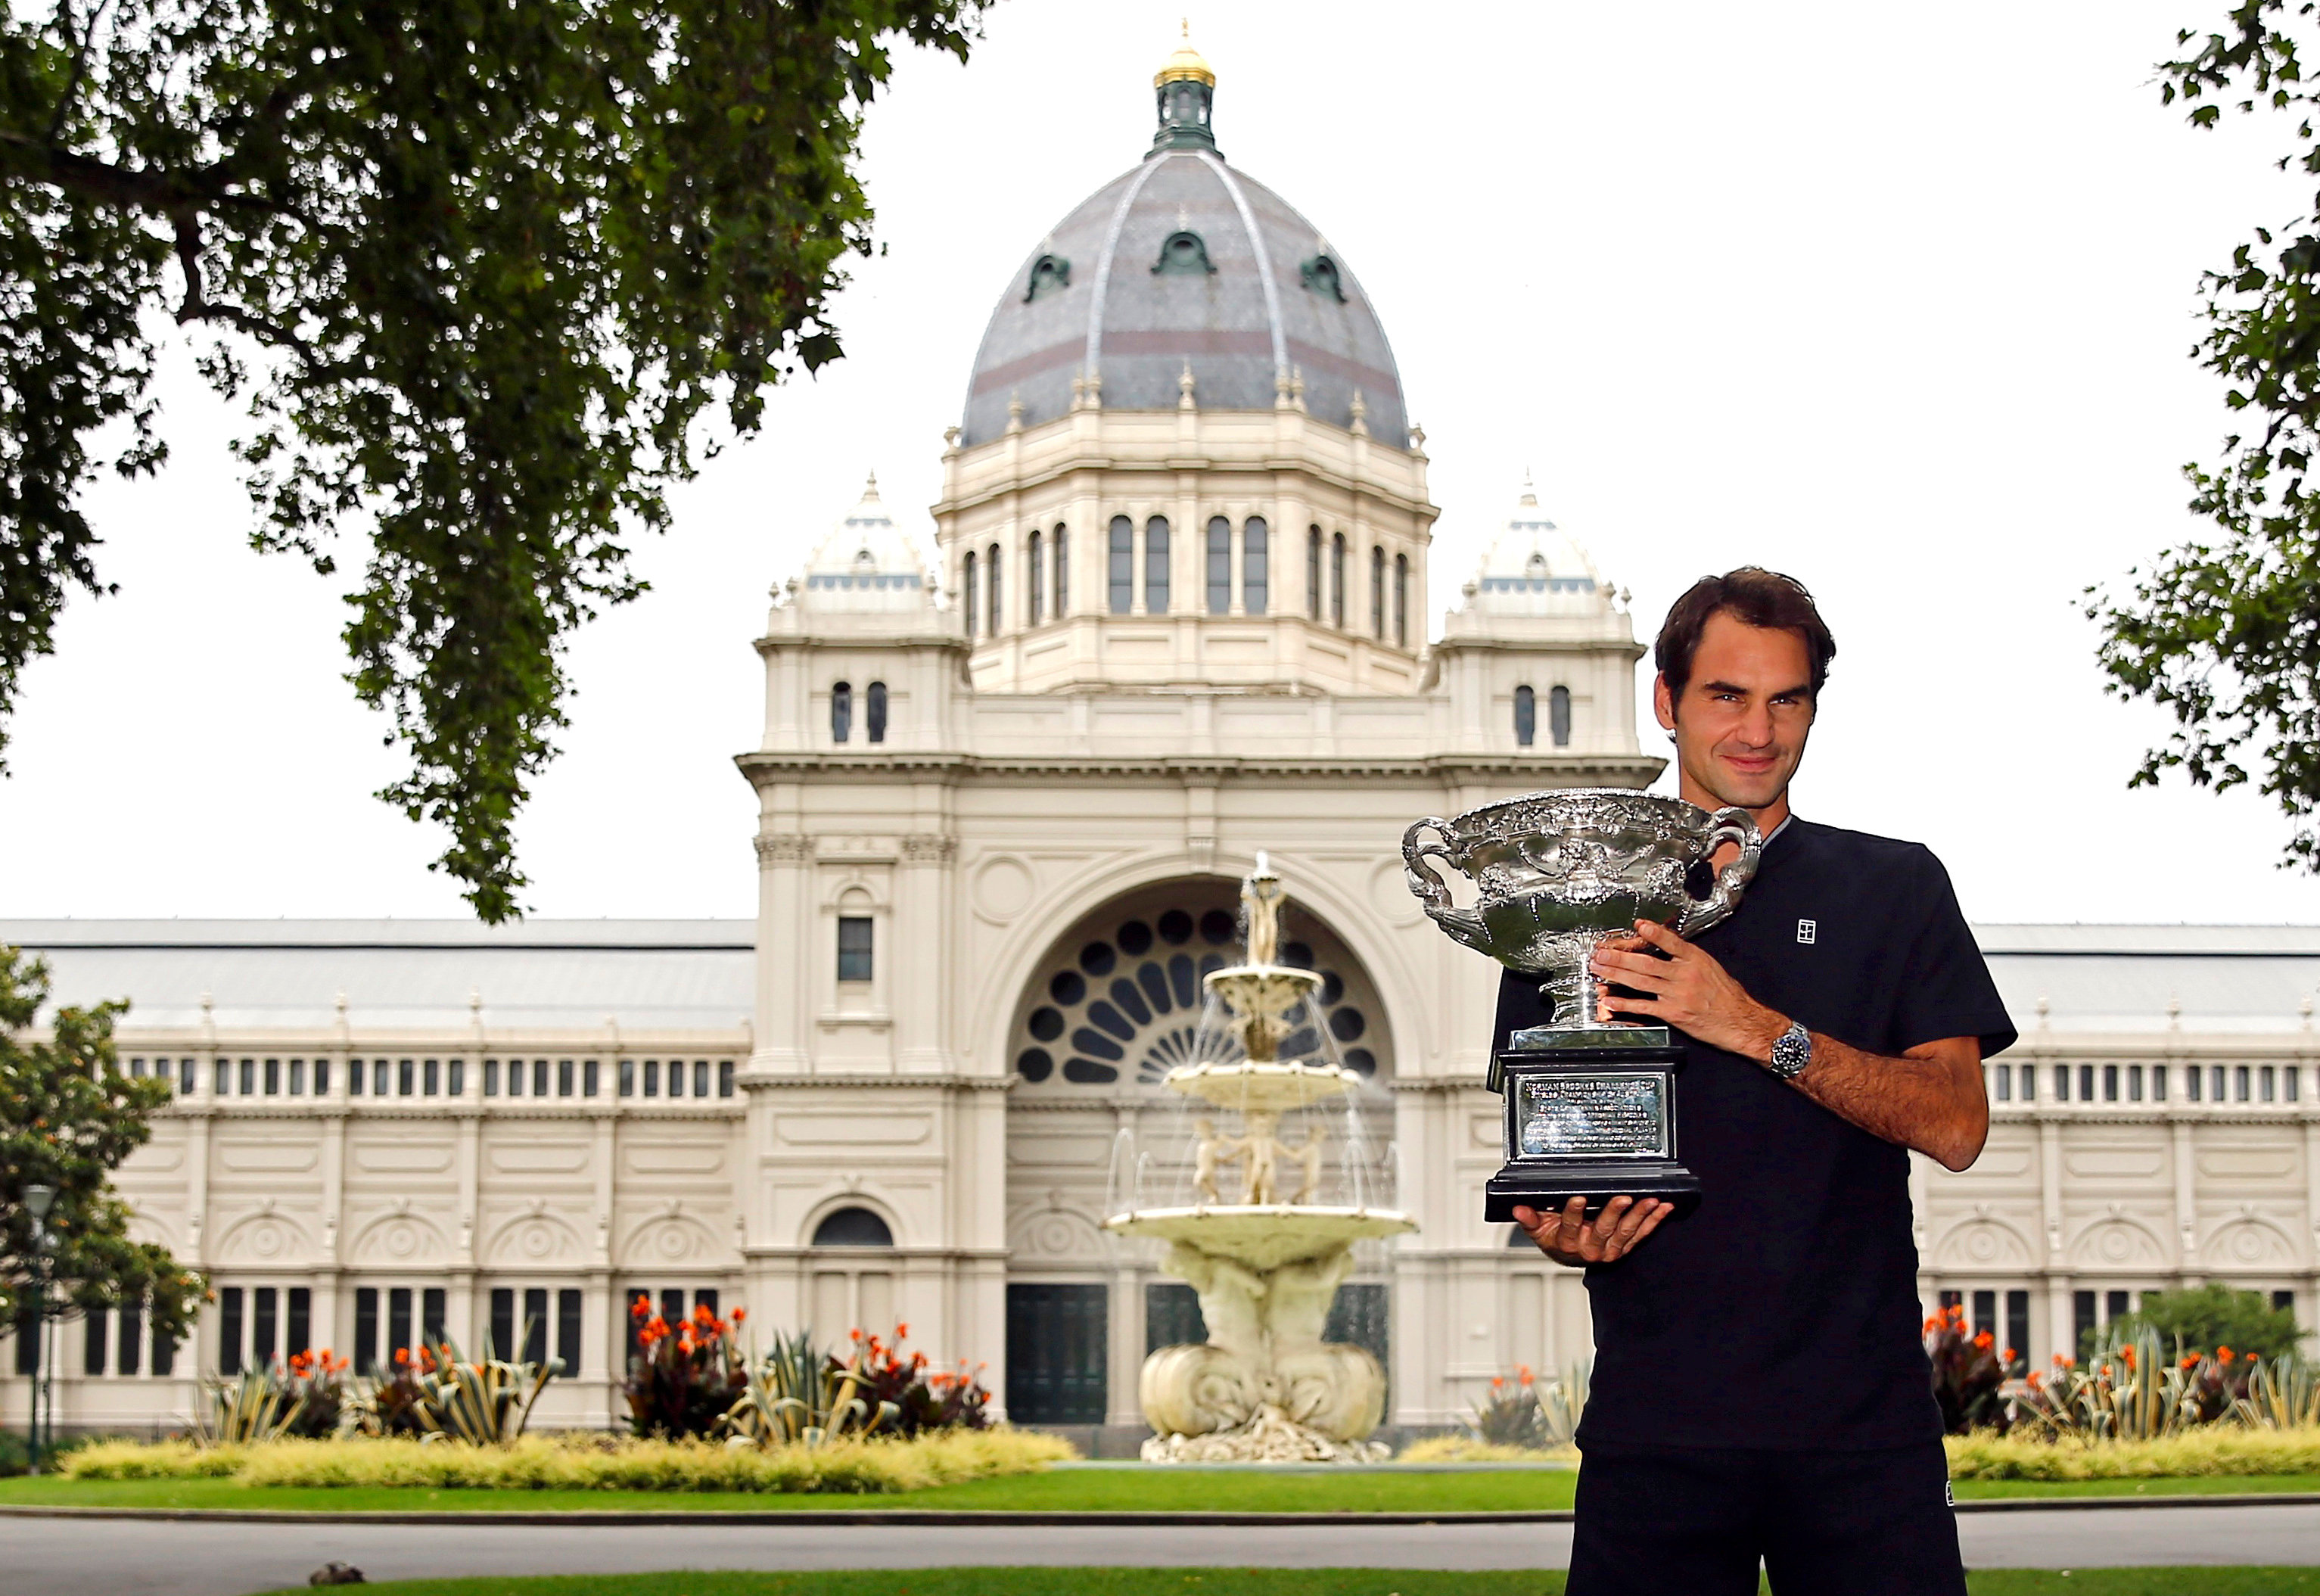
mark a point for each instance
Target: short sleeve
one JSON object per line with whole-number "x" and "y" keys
{"x": 1946, "y": 990}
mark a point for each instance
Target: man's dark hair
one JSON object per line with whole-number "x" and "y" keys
{"x": 1753, "y": 596}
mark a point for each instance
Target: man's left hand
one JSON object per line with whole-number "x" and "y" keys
{"x": 1688, "y": 990}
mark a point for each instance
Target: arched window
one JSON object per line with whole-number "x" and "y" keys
{"x": 1037, "y": 574}
{"x": 841, "y": 711}
{"x": 1122, "y": 575}
{"x": 873, "y": 712}
{"x": 1401, "y": 600}
{"x": 991, "y": 580}
{"x": 1253, "y": 553}
{"x": 1063, "y": 573}
{"x": 1155, "y": 566}
{"x": 1219, "y": 566}
{"x": 853, "y": 1227}
{"x": 1377, "y": 592}
{"x": 1525, "y": 717}
{"x": 967, "y": 594}
{"x": 1338, "y": 580}
{"x": 1558, "y": 715}
{"x": 1313, "y": 572}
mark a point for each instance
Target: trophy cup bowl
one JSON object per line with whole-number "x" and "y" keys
{"x": 1591, "y": 1106}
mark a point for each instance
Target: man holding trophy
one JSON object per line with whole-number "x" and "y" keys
{"x": 1760, "y": 1390}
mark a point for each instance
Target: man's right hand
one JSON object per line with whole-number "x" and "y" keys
{"x": 1569, "y": 1237}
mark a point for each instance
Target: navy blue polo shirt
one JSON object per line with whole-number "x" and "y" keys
{"x": 1784, "y": 1312}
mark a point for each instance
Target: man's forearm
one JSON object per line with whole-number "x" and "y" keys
{"x": 1929, "y": 1100}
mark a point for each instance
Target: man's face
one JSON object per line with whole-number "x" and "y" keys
{"x": 1741, "y": 727}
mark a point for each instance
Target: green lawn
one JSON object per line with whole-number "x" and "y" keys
{"x": 1061, "y": 1490}
{"x": 1288, "y": 1582}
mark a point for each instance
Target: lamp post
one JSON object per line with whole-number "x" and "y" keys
{"x": 38, "y": 1199}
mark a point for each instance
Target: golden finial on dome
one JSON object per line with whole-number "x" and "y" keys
{"x": 1187, "y": 65}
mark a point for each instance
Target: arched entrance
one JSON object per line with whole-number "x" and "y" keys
{"x": 1114, "y": 1005}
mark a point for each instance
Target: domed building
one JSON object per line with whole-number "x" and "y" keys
{"x": 1170, "y": 612}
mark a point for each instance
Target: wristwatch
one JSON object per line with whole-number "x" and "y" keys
{"x": 1791, "y": 1053}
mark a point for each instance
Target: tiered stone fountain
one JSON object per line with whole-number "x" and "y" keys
{"x": 1264, "y": 1387}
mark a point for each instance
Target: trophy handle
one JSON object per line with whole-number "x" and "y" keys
{"x": 1732, "y": 825}
{"x": 1461, "y": 923}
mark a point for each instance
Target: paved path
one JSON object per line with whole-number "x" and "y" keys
{"x": 68, "y": 1557}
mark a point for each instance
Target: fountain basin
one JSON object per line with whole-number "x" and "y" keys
{"x": 1263, "y": 1236}
{"x": 1261, "y": 1088}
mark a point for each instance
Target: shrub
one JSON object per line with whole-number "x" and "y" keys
{"x": 15, "y": 1453}
{"x": 317, "y": 1381}
{"x": 590, "y": 1463}
{"x": 2213, "y": 1449}
{"x": 2196, "y": 1317}
{"x": 2283, "y": 1393}
{"x": 688, "y": 1375}
{"x": 1969, "y": 1371}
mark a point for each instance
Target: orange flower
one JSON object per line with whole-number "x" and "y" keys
{"x": 901, "y": 1332}
{"x": 1985, "y": 1340}
{"x": 2192, "y": 1362}
{"x": 640, "y": 1307}
{"x": 854, "y": 1335}
{"x": 1933, "y": 1324}
{"x": 2224, "y": 1354}
{"x": 2128, "y": 1354}
{"x": 1497, "y": 1380}
{"x": 402, "y": 1357}
{"x": 2035, "y": 1380}
{"x": 2005, "y": 1356}
{"x": 739, "y": 1314}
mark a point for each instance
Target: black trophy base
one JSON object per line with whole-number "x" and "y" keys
{"x": 1591, "y": 1113}
{"x": 1548, "y": 1190}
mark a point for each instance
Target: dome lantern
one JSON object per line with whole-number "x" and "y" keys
{"x": 1185, "y": 91}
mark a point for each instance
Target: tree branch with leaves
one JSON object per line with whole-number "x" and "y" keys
{"x": 484, "y": 276}
{"x": 2223, "y": 633}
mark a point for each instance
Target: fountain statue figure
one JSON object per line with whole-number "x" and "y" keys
{"x": 1265, "y": 1386}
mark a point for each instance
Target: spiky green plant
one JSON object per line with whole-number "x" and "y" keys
{"x": 254, "y": 1406}
{"x": 2283, "y": 1393}
{"x": 798, "y": 1395}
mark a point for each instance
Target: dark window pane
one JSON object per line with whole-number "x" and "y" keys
{"x": 1313, "y": 572}
{"x": 491, "y": 1077}
{"x": 854, "y": 935}
{"x": 264, "y": 1309}
{"x": 28, "y": 1343}
{"x": 564, "y": 1078}
{"x": 700, "y": 1077}
{"x": 1063, "y": 573}
{"x": 230, "y": 1330}
{"x": 2082, "y": 1323}
{"x": 1036, "y": 591}
{"x": 405, "y": 1074}
{"x": 539, "y": 1078}
{"x": 502, "y": 1321}
{"x": 1338, "y": 580}
{"x": 1056, "y": 1345}
{"x": 875, "y": 712}
{"x": 1401, "y": 600}
{"x": 249, "y": 1076}
{"x": 652, "y": 1077}
{"x": 133, "y": 1330}
{"x": 1172, "y": 1315}
{"x": 628, "y": 1078}
{"x": 853, "y": 1227}
{"x": 1558, "y": 715}
{"x": 366, "y": 1329}
{"x": 1525, "y": 717}
{"x": 724, "y": 1077}
{"x": 841, "y": 712}
{"x": 95, "y": 1329}
{"x": 431, "y": 1329}
{"x": 273, "y": 1077}
{"x": 1377, "y": 593}
{"x": 568, "y": 1328}
{"x": 996, "y": 605}
{"x": 1122, "y": 559}
{"x": 298, "y": 1332}
{"x": 589, "y": 1070}
{"x": 2017, "y": 1328}
{"x": 297, "y": 1077}
{"x": 398, "y": 1321}
{"x": 535, "y": 1324}
{"x": 1219, "y": 566}
{"x": 1155, "y": 566}
{"x": 186, "y": 1077}
{"x": 1254, "y": 580}
{"x": 431, "y": 1079}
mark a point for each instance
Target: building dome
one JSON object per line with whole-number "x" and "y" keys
{"x": 1535, "y": 568}
{"x": 867, "y": 563}
{"x": 1184, "y": 264}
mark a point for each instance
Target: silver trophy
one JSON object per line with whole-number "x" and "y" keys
{"x": 1591, "y": 1106}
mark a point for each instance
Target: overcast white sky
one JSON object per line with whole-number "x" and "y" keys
{"x": 1898, "y": 299}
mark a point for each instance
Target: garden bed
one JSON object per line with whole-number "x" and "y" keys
{"x": 583, "y": 1464}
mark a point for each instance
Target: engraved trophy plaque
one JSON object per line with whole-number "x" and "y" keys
{"x": 1591, "y": 1106}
